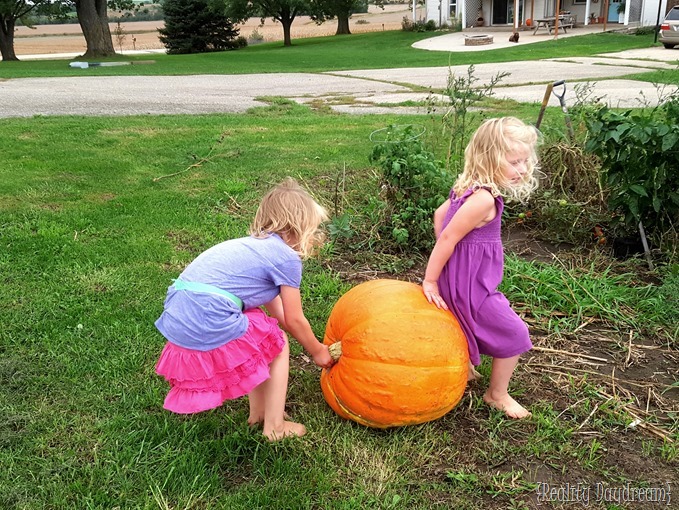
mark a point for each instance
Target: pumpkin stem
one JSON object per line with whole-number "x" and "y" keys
{"x": 335, "y": 350}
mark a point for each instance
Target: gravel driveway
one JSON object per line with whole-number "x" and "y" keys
{"x": 134, "y": 95}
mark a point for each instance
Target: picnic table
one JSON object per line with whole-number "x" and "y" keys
{"x": 565, "y": 21}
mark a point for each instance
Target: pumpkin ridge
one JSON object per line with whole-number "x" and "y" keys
{"x": 398, "y": 362}
{"x": 356, "y": 417}
{"x": 375, "y": 400}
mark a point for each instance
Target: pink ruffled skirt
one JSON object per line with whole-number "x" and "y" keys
{"x": 202, "y": 380}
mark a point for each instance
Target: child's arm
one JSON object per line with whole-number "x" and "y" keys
{"x": 275, "y": 309}
{"x": 439, "y": 216}
{"x": 287, "y": 308}
{"x": 478, "y": 210}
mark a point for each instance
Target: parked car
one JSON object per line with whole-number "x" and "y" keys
{"x": 669, "y": 29}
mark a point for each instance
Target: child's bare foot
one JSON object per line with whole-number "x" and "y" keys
{"x": 288, "y": 429}
{"x": 254, "y": 421}
{"x": 506, "y": 403}
{"x": 472, "y": 374}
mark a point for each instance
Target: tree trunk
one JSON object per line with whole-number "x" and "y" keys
{"x": 343, "y": 24}
{"x": 287, "y": 24}
{"x": 286, "y": 16}
{"x": 7, "y": 39}
{"x": 93, "y": 21}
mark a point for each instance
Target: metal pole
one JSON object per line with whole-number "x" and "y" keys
{"x": 657, "y": 22}
{"x": 644, "y": 242}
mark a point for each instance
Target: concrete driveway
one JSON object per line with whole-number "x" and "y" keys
{"x": 374, "y": 91}
{"x": 524, "y": 81}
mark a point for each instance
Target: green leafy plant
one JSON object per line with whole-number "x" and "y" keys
{"x": 413, "y": 184}
{"x": 639, "y": 151}
{"x": 340, "y": 227}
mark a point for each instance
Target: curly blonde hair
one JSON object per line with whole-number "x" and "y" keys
{"x": 486, "y": 157}
{"x": 291, "y": 212}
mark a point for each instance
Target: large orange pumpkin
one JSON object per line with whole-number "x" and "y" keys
{"x": 403, "y": 361}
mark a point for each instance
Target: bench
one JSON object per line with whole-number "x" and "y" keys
{"x": 566, "y": 21}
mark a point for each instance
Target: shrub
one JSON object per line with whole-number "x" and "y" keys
{"x": 407, "y": 25}
{"x": 256, "y": 37}
{"x": 413, "y": 185}
{"x": 639, "y": 150}
{"x": 195, "y": 26}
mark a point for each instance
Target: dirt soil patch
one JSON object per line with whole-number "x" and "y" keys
{"x": 614, "y": 389}
{"x": 143, "y": 35}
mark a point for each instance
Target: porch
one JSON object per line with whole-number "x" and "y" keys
{"x": 501, "y": 13}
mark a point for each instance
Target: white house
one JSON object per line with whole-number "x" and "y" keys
{"x": 501, "y": 12}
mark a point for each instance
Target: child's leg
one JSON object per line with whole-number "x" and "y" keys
{"x": 268, "y": 400}
{"x": 472, "y": 374}
{"x": 257, "y": 398}
{"x": 497, "y": 395}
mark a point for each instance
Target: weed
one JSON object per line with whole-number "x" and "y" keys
{"x": 255, "y": 37}
{"x": 339, "y": 228}
{"x": 120, "y": 35}
{"x": 463, "y": 95}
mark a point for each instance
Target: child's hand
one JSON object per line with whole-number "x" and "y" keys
{"x": 322, "y": 358}
{"x": 431, "y": 292}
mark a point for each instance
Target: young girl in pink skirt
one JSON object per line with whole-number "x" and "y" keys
{"x": 220, "y": 344}
{"x": 466, "y": 264}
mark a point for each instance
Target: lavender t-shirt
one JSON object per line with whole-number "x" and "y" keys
{"x": 252, "y": 269}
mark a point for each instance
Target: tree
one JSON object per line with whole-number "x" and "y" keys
{"x": 13, "y": 10}
{"x": 93, "y": 19}
{"x": 92, "y": 16}
{"x": 283, "y": 11}
{"x": 323, "y": 10}
{"x": 196, "y": 26}
{"x": 10, "y": 12}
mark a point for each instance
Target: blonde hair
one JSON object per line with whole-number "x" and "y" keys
{"x": 291, "y": 212}
{"x": 486, "y": 158}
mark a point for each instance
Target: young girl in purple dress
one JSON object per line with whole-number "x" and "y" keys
{"x": 466, "y": 264}
{"x": 220, "y": 344}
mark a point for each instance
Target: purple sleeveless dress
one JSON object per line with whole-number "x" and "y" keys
{"x": 468, "y": 284}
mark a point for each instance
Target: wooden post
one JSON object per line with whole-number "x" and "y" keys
{"x": 556, "y": 19}
{"x": 605, "y": 13}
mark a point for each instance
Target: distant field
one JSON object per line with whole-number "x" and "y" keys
{"x": 143, "y": 35}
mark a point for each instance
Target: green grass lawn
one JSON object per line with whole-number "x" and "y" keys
{"x": 387, "y": 49}
{"x": 97, "y": 215}
{"x": 91, "y": 239}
